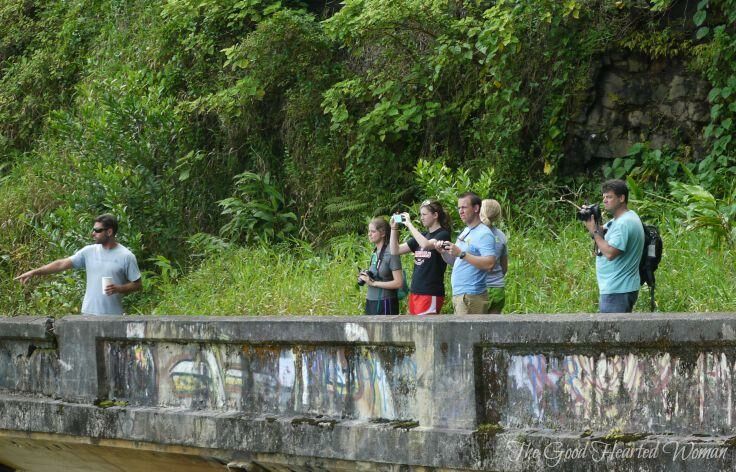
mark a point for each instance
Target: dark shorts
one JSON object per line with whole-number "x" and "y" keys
{"x": 617, "y": 302}
{"x": 387, "y": 306}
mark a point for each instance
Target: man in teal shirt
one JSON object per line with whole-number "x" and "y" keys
{"x": 619, "y": 246}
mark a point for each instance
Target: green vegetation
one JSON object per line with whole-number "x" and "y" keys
{"x": 245, "y": 143}
{"x": 549, "y": 272}
{"x": 289, "y": 278}
{"x": 489, "y": 429}
{"x": 616, "y": 435}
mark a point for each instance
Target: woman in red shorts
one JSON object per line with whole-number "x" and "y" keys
{"x": 427, "y": 291}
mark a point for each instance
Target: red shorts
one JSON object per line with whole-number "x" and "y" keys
{"x": 425, "y": 304}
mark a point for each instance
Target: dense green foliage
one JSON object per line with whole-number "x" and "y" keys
{"x": 549, "y": 272}
{"x": 209, "y": 124}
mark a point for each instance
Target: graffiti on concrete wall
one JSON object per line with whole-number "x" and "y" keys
{"x": 358, "y": 382}
{"x": 131, "y": 373}
{"x": 27, "y": 367}
{"x": 167, "y": 374}
{"x": 199, "y": 377}
{"x": 344, "y": 381}
{"x": 673, "y": 391}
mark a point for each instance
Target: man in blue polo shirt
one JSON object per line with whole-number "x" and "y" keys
{"x": 471, "y": 257}
{"x": 619, "y": 245}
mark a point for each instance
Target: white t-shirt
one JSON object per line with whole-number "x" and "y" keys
{"x": 118, "y": 263}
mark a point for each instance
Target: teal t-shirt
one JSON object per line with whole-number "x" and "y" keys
{"x": 621, "y": 275}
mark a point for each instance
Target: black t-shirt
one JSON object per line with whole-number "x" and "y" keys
{"x": 429, "y": 267}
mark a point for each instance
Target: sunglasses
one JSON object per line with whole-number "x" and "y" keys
{"x": 98, "y": 230}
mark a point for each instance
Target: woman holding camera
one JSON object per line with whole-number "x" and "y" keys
{"x": 490, "y": 213}
{"x": 383, "y": 276}
{"x": 427, "y": 292}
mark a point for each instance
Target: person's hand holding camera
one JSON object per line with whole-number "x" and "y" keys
{"x": 590, "y": 215}
{"x": 591, "y": 224}
{"x": 406, "y": 220}
{"x": 397, "y": 219}
{"x": 446, "y": 247}
{"x": 364, "y": 278}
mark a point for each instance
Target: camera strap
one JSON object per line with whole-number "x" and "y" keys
{"x": 380, "y": 258}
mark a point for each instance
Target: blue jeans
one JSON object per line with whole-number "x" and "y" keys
{"x": 617, "y": 302}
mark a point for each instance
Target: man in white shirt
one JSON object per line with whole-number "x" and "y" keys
{"x": 112, "y": 270}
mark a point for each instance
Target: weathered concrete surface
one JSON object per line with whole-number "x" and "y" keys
{"x": 533, "y": 392}
{"x": 28, "y": 357}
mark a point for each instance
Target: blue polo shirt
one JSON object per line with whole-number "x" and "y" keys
{"x": 466, "y": 278}
{"x": 621, "y": 275}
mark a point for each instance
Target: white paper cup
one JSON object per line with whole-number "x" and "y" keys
{"x": 105, "y": 282}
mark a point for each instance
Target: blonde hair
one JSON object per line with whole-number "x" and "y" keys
{"x": 490, "y": 211}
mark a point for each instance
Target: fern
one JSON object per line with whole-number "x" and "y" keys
{"x": 345, "y": 215}
{"x": 704, "y": 211}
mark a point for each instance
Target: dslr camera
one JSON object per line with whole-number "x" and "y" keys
{"x": 369, "y": 273}
{"x": 586, "y": 211}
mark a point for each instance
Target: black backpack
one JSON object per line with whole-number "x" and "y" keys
{"x": 650, "y": 258}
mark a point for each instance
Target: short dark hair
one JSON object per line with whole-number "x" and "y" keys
{"x": 474, "y": 198}
{"x": 618, "y": 187}
{"x": 108, "y": 221}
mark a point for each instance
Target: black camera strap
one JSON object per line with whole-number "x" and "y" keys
{"x": 380, "y": 258}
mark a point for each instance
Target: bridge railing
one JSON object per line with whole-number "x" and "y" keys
{"x": 455, "y": 382}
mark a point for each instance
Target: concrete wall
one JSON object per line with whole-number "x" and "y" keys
{"x": 578, "y": 392}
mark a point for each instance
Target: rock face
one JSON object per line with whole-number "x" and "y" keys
{"x": 635, "y": 99}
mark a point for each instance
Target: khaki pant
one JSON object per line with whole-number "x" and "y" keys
{"x": 467, "y": 304}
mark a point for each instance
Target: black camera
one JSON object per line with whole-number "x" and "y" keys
{"x": 369, "y": 273}
{"x": 588, "y": 211}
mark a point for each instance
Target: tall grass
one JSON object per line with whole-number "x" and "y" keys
{"x": 549, "y": 272}
{"x": 290, "y": 278}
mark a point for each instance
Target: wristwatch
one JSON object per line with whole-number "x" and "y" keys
{"x": 462, "y": 254}
{"x": 592, "y": 235}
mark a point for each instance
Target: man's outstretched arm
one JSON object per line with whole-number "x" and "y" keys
{"x": 58, "y": 265}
